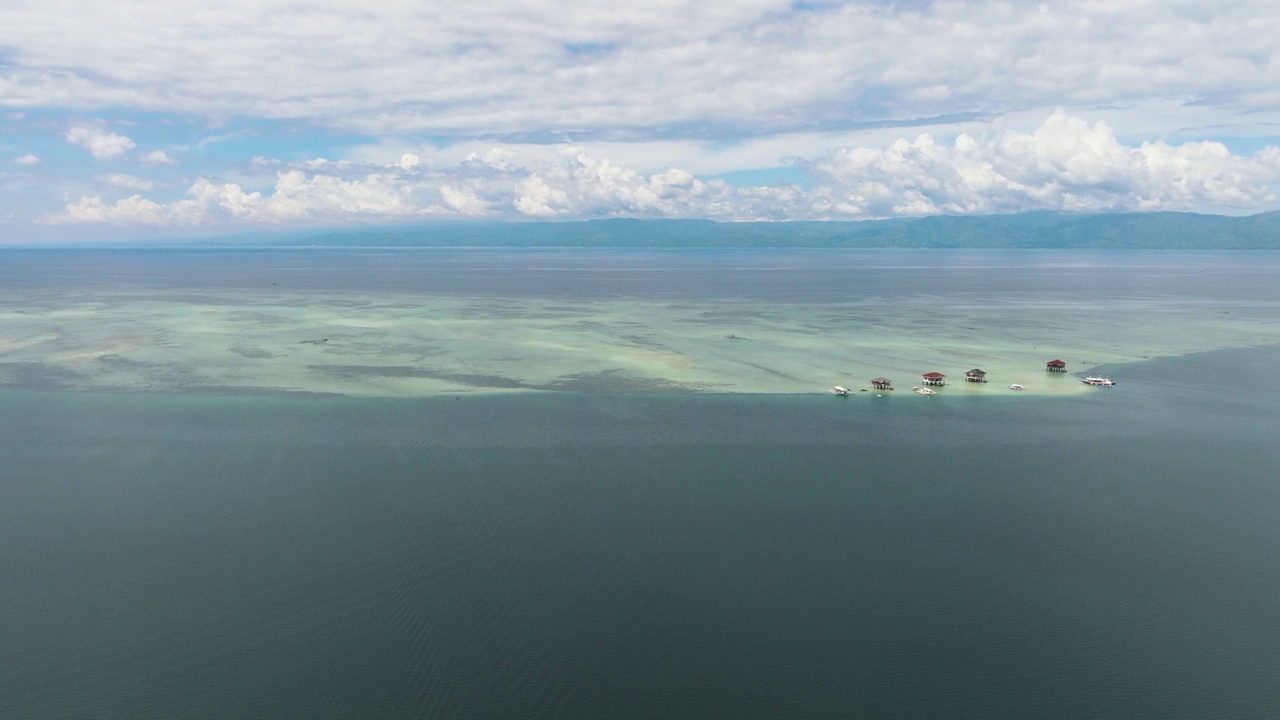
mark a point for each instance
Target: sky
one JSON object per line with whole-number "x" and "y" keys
{"x": 195, "y": 117}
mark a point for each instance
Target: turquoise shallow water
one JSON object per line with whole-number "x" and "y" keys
{"x": 612, "y": 555}
{"x": 423, "y": 322}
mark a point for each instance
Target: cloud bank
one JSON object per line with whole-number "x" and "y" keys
{"x": 1065, "y": 164}
{"x": 681, "y": 67}
{"x": 759, "y": 109}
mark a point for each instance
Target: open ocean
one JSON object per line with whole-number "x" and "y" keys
{"x": 649, "y": 555}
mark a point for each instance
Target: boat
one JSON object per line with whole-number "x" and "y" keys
{"x": 1100, "y": 382}
{"x": 839, "y": 390}
{"x": 923, "y": 391}
{"x": 1016, "y": 386}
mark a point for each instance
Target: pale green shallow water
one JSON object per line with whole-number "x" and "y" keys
{"x": 414, "y": 323}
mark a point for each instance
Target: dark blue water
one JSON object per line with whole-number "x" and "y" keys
{"x": 588, "y": 556}
{"x": 768, "y": 275}
{"x": 562, "y": 555}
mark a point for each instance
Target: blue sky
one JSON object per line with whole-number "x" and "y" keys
{"x": 194, "y": 117}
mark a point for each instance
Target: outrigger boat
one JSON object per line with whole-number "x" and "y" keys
{"x": 1100, "y": 382}
{"x": 839, "y": 390}
{"x": 923, "y": 391}
{"x": 1016, "y": 386}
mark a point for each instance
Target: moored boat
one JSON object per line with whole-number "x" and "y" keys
{"x": 1100, "y": 382}
{"x": 839, "y": 390}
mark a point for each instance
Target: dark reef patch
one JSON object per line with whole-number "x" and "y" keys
{"x": 38, "y": 376}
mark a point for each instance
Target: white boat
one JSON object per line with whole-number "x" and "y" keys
{"x": 923, "y": 391}
{"x": 1016, "y": 386}
{"x": 1101, "y": 382}
{"x": 839, "y": 390}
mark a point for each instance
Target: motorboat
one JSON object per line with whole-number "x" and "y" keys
{"x": 1100, "y": 382}
{"x": 923, "y": 391}
{"x": 1016, "y": 386}
{"x": 839, "y": 390}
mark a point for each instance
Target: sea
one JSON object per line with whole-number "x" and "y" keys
{"x": 655, "y": 553}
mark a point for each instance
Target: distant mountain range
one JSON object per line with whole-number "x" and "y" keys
{"x": 1159, "y": 230}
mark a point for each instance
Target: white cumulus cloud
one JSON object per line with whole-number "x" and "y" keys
{"x": 128, "y": 182}
{"x": 157, "y": 157}
{"x": 1064, "y": 164}
{"x": 27, "y": 159}
{"x": 101, "y": 143}
{"x": 296, "y": 196}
